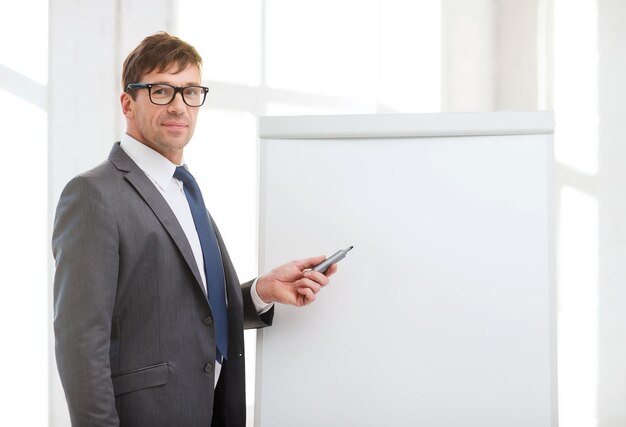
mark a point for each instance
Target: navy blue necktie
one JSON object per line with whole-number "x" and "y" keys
{"x": 213, "y": 267}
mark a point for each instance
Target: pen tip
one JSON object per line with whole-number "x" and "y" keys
{"x": 350, "y": 247}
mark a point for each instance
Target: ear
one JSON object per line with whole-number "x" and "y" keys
{"x": 128, "y": 105}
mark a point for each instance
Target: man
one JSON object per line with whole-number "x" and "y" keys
{"x": 148, "y": 310}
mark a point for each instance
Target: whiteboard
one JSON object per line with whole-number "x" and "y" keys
{"x": 443, "y": 314}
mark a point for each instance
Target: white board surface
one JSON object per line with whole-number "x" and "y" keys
{"x": 443, "y": 313}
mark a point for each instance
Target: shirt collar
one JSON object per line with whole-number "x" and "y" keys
{"x": 157, "y": 167}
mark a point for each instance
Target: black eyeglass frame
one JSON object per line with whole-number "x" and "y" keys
{"x": 177, "y": 89}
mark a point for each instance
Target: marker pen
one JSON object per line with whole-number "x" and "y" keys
{"x": 334, "y": 258}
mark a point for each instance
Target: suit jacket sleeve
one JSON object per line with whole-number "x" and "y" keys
{"x": 85, "y": 248}
{"x": 252, "y": 320}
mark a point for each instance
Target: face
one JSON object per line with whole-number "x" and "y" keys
{"x": 165, "y": 128}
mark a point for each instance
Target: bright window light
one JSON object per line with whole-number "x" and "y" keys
{"x": 24, "y": 32}
{"x": 576, "y": 84}
{"x": 576, "y": 147}
{"x": 223, "y": 158}
{"x": 228, "y": 36}
{"x": 409, "y": 62}
{"x": 323, "y": 47}
{"x": 578, "y": 309}
{"x": 24, "y": 308}
{"x": 24, "y": 262}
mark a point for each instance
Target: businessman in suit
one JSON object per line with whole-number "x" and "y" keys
{"x": 148, "y": 310}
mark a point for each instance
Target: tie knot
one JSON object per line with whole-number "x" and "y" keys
{"x": 184, "y": 175}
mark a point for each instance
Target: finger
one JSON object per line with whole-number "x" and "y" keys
{"x": 308, "y": 294}
{"x": 303, "y": 264}
{"x": 310, "y": 284}
{"x": 316, "y": 276}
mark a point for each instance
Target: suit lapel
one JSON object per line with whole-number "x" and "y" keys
{"x": 148, "y": 192}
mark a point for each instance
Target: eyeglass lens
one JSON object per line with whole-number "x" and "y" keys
{"x": 164, "y": 94}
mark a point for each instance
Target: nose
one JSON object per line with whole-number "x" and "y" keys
{"x": 177, "y": 106}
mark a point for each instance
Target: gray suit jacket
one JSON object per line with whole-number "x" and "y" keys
{"x": 135, "y": 342}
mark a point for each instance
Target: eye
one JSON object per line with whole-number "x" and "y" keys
{"x": 160, "y": 90}
{"x": 193, "y": 91}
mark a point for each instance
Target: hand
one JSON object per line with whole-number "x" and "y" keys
{"x": 294, "y": 283}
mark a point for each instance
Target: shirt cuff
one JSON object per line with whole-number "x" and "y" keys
{"x": 260, "y": 305}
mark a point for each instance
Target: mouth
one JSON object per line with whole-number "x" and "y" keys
{"x": 175, "y": 125}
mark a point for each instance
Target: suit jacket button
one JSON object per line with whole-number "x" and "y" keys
{"x": 208, "y": 368}
{"x": 208, "y": 320}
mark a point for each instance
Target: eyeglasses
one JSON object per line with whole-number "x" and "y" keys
{"x": 163, "y": 94}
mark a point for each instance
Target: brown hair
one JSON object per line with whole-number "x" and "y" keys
{"x": 158, "y": 52}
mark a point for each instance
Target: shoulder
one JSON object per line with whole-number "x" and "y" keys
{"x": 106, "y": 173}
{"x": 85, "y": 208}
{"x": 91, "y": 190}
